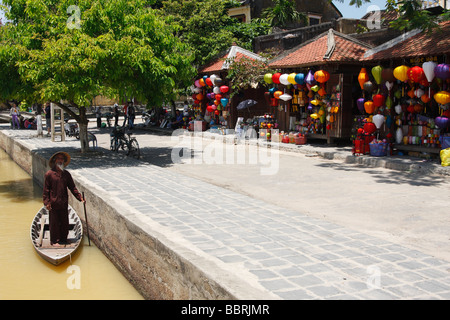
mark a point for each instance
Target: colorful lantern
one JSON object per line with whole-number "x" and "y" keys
{"x": 442, "y": 71}
{"x": 218, "y": 82}
{"x": 276, "y": 78}
{"x": 369, "y": 127}
{"x": 224, "y": 101}
{"x": 300, "y": 78}
{"x": 442, "y": 122}
{"x": 291, "y": 78}
{"x": 376, "y": 72}
{"x": 368, "y": 86}
{"x": 378, "y": 120}
{"x": 284, "y": 79}
{"x": 322, "y": 76}
{"x": 387, "y": 74}
{"x": 224, "y": 89}
{"x": 268, "y": 78}
{"x": 428, "y": 68}
{"x": 442, "y": 97}
{"x": 363, "y": 77}
{"x": 378, "y": 100}
{"x": 285, "y": 97}
{"x": 360, "y": 104}
{"x": 401, "y": 73}
{"x": 368, "y": 106}
{"x": 415, "y": 74}
{"x": 310, "y": 78}
{"x": 277, "y": 94}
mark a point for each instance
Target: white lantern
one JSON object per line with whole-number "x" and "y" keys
{"x": 419, "y": 92}
{"x": 398, "y": 109}
{"x": 216, "y": 90}
{"x": 284, "y": 79}
{"x": 399, "y": 136}
{"x": 389, "y": 85}
{"x": 428, "y": 69}
{"x": 378, "y": 120}
{"x": 285, "y": 97}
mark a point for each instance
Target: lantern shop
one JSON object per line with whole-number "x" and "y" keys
{"x": 215, "y": 104}
{"x": 312, "y": 93}
{"x": 405, "y": 96}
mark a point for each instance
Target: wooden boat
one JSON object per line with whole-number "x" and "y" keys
{"x": 40, "y": 237}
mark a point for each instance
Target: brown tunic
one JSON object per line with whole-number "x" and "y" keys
{"x": 55, "y": 193}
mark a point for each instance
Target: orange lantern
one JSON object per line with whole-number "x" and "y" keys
{"x": 369, "y": 107}
{"x": 363, "y": 77}
{"x": 442, "y": 97}
{"x": 321, "y": 76}
{"x": 277, "y": 94}
{"x": 322, "y": 92}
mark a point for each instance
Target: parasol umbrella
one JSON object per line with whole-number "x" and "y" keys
{"x": 246, "y": 104}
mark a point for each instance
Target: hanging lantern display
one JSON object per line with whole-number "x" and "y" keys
{"x": 399, "y": 135}
{"x": 276, "y": 78}
{"x": 442, "y": 97}
{"x": 387, "y": 74}
{"x": 291, "y": 78}
{"x": 415, "y": 74}
{"x": 284, "y": 79}
{"x": 310, "y": 78}
{"x": 363, "y": 77}
{"x": 442, "y": 122}
{"x": 378, "y": 120}
{"x": 322, "y": 76}
{"x": 285, "y": 97}
{"x": 368, "y": 107}
{"x": 442, "y": 71}
{"x": 401, "y": 73}
{"x": 368, "y": 87}
{"x": 378, "y": 100}
{"x": 360, "y": 104}
{"x": 428, "y": 69}
{"x": 300, "y": 78}
{"x": 376, "y": 73}
{"x": 268, "y": 78}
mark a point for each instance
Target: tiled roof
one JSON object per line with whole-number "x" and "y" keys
{"x": 418, "y": 44}
{"x": 328, "y": 47}
{"x": 234, "y": 52}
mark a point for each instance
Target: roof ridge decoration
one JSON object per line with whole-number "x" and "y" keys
{"x": 331, "y": 45}
{"x": 236, "y": 49}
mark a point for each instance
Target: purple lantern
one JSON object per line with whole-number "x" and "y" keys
{"x": 310, "y": 78}
{"x": 442, "y": 122}
{"x": 360, "y": 104}
{"x": 442, "y": 71}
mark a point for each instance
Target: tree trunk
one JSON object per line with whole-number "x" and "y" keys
{"x": 82, "y": 121}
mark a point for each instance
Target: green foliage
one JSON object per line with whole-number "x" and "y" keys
{"x": 122, "y": 48}
{"x": 283, "y": 13}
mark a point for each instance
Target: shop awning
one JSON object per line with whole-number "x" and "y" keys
{"x": 329, "y": 47}
{"x": 415, "y": 43}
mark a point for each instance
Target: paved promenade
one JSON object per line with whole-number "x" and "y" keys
{"x": 282, "y": 254}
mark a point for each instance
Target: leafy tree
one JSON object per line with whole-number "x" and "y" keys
{"x": 116, "y": 49}
{"x": 283, "y": 13}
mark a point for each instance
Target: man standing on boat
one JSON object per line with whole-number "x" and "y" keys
{"x": 56, "y": 198}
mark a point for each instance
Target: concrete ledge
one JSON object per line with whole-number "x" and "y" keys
{"x": 145, "y": 253}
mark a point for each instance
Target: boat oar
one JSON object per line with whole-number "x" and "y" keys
{"x": 85, "y": 217}
{"x": 41, "y": 232}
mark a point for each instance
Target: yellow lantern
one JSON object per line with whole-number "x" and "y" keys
{"x": 401, "y": 73}
{"x": 442, "y": 97}
{"x": 291, "y": 78}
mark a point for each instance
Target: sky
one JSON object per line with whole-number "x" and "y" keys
{"x": 353, "y": 12}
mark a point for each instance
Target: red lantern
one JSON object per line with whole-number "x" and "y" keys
{"x": 224, "y": 89}
{"x": 208, "y": 82}
{"x": 276, "y": 78}
{"x": 369, "y": 127}
{"x": 378, "y": 100}
{"x": 209, "y": 109}
{"x": 415, "y": 74}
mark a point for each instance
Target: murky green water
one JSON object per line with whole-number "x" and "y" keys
{"x": 23, "y": 274}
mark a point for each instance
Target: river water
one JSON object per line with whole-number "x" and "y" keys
{"x": 26, "y": 276}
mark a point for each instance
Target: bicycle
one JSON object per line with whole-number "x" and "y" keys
{"x": 122, "y": 142}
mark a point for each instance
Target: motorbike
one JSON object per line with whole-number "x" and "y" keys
{"x": 72, "y": 129}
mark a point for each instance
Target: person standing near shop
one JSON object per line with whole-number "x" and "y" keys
{"x": 125, "y": 115}
{"x": 39, "y": 119}
{"x": 56, "y": 198}
{"x": 48, "y": 117}
{"x": 14, "y": 113}
{"x": 116, "y": 115}
{"x": 131, "y": 115}
{"x": 98, "y": 113}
